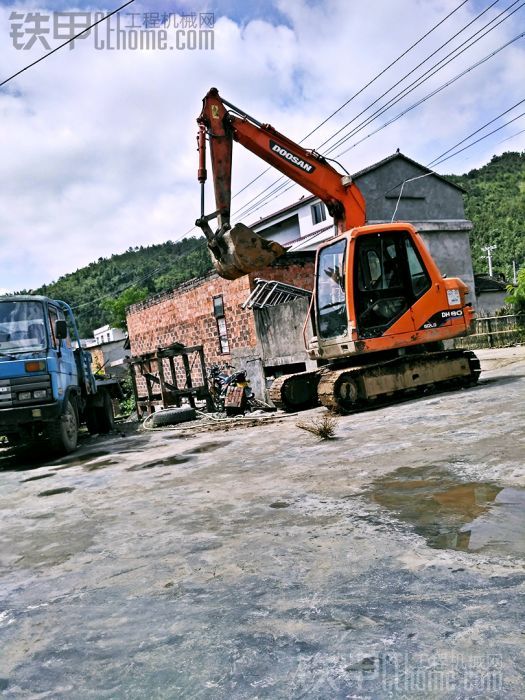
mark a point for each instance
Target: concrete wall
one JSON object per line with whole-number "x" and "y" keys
{"x": 451, "y": 252}
{"x": 429, "y": 198}
{"x": 280, "y": 332}
{"x": 490, "y": 302}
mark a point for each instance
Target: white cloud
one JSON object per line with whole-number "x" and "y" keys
{"x": 98, "y": 147}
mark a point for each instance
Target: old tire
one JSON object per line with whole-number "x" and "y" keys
{"x": 63, "y": 432}
{"x": 104, "y": 415}
{"x": 172, "y": 416}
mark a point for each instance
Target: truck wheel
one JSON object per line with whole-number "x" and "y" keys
{"x": 63, "y": 433}
{"x": 104, "y": 415}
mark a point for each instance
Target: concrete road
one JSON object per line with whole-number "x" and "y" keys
{"x": 259, "y": 562}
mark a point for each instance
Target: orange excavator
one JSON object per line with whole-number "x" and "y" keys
{"x": 380, "y": 307}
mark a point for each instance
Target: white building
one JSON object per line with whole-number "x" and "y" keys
{"x": 106, "y": 334}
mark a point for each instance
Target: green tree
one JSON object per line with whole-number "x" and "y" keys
{"x": 116, "y": 308}
{"x": 516, "y": 296}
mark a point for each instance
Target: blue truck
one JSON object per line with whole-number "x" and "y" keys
{"x": 47, "y": 387}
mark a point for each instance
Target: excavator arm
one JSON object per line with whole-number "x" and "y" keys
{"x": 239, "y": 250}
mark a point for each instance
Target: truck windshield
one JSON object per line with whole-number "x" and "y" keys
{"x": 22, "y": 326}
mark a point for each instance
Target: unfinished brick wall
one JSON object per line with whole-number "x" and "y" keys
{"x": 296, "y": 270}
{"x": 185, "y": 314}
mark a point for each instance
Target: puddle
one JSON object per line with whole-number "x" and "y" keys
{"x": 279, "y": 504}
{"x": 99, "y": 465}
{"x": 167, "y": 462}
{"x": 207, "y": 447}
{"x": 54, "y": 492}
{"x": 77, "y": 461}
{"x": 451, "y": 514}
{"x": 36, "y": 478}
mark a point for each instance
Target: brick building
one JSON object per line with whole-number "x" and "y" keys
{"x": 207, "y": 311}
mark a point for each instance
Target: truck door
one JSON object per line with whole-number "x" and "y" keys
{"x": 67, "y": 374}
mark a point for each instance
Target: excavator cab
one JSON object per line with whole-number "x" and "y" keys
{"x": 388, "y": 277}
{"x": 378, "y": 287}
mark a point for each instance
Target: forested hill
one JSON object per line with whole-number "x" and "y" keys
{"x": 495, "y": 203}
{"x": 153, "y": 268}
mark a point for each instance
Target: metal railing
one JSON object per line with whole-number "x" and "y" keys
{"x": 272, "y": 293}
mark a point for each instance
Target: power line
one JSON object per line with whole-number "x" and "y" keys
{"x": 398, "y": 116}
{"x": 511, "y": 137}
{"x": 120, "y": 290}
{"x": 361, "y": 90}
{"x": 442, "y": 160}
{"x": 458, "y": 51}
{"x": 246, "y": 209}
{"x": 87, "y": 29}
{"x": 434, "y": 92}
{"x": 476, "y": 132}
{"x": 411, "y": 72}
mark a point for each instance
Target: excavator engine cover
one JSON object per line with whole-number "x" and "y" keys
{"x": 240, "y": 251}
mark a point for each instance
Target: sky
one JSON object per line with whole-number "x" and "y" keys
{"x": 97, "y": 143}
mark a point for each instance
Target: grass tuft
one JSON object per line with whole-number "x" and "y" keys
{"x": 322, "y": 427}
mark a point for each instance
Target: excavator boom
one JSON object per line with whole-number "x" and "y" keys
{"x": 239, "y": 250}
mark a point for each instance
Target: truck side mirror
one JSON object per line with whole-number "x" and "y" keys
{"x": 60, "y": 329}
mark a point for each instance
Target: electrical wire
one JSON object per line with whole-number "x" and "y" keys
{"x": 419, "y": 65}
{"x": 330, "y": 116}
{"x": 361, "y": 90}
{"x": 398, "y": 116}
{"x": 429, "y": 165}
{"x": 511, "y": 137}
{"x": 57, "y": 48}
{"x": 482, "y": 138}
{"x": 433, "y": 93}
{"x": 120, "y": 290}
{"x": 417, "y": 83}
{"x": 246, "y": 210}
{"x": 433, "y": 70}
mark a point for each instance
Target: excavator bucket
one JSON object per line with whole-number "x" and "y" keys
{"x": 239, "y": 251}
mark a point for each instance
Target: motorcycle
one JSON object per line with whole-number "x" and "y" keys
{"x": 231, "y": 393}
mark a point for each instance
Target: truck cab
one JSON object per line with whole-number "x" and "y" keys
{"x": 47, "y": 388}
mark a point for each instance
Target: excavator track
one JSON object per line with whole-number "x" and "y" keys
{"x": 295, "y": 392}
{"x": 351, "y": 388}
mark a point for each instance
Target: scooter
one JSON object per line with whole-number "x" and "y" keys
{"x": 231, "y": 393}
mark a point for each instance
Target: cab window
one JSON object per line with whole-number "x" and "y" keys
{"x": 332, "y": 318}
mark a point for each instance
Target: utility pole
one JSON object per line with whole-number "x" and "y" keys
{"x": 514, "y": 272}
{"x": 488, "y": 249}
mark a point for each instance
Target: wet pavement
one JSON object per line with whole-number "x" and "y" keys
{"x": 259, "y": 562}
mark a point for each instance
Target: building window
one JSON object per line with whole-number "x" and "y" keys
{"x": 222, "y": 330}
{"x": 318, "y": 213}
